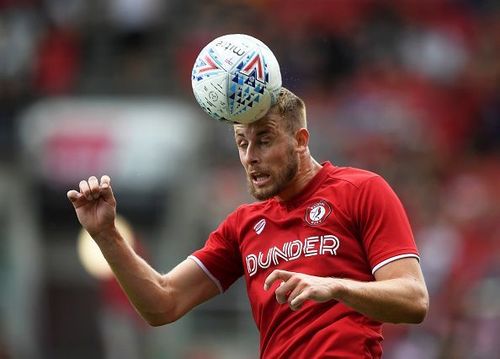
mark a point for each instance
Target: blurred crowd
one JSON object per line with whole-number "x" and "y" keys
{"x": 409, "y": 89}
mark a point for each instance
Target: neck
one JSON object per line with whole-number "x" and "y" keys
{"x": 308, "y": 168}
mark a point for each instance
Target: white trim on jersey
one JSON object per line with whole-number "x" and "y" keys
{"x": 392, "y": 259}
{"x": 207, "y": 272}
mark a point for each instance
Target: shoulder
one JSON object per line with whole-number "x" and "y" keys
{"x": 353, "y": 177}
{"x": 251, "y": 208}
{"x": 244, "y": 217}
{"x": 246, "y": 210}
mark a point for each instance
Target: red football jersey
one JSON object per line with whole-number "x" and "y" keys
{"x": 345, "y": 223}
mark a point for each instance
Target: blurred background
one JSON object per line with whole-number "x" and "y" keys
{"x": 409, "y": 89}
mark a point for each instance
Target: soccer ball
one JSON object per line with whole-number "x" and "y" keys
{"x": 236, "y": 78}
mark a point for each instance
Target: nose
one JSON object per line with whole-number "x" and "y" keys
{"x": 251, "y": 156}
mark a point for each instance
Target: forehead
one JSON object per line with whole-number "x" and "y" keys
{"x": 271, "y": 122}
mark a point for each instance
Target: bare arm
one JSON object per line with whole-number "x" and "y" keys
{"x": 398, "y": 295}
{"x": 160, "y": 299}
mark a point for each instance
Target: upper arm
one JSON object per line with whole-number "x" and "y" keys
{"x": 401, "y": 268}
{"x": 405, "y": 268}
{"x": 383, "y": 225}
{"x": 188, "y": 286}
{"x": 407, "y": 276}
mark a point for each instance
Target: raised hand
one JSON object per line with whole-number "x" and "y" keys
{"x": 95, "y": 205}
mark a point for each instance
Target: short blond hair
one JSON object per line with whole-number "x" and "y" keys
{"x": 292, "y": 109}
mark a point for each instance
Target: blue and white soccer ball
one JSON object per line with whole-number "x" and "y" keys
{"x": 236, "y": 78}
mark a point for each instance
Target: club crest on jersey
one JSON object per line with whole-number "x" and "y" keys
{"x": 317, "y": 213}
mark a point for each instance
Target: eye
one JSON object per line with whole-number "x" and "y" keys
{"x": 265, "y": 140}
{"x": 242, "y": 144}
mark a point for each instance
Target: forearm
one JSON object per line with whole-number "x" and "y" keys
{"x": 144, "y": 286}
{"x": 160, "y": 299}
{"x": 399, "y": 300}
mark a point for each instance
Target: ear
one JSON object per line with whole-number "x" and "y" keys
{"x": 302, "y": 138}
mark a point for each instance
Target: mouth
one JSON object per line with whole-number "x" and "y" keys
{"x": 259, "y": 179}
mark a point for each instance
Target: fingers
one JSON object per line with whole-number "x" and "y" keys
{"x": 297, "y": 301}
{"x": 296, "y": 288}
{"x": 105, "y": 181}
{"x": 106, "y": 191}
{"x": 285, "y": 290}
{"x": 281, "y": 292}
{"x": 73, "y": 195}
{"x": 85, "y": 190}
{"x": 288, "y": 289}
{"x": 94, "y": 187}
{"x": 276, "y": 275}
{"x": 91, "y": 189}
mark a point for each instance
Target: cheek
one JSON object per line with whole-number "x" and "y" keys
{"x": 242, "y": 157}
{"x": 279, "y": 155}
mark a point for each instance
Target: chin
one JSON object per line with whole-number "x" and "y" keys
{"x": 262, "y": 194}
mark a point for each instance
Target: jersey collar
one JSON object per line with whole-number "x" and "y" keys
{"x": 309, "y": 189}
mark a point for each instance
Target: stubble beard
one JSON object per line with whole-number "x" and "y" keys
{"x": 281, "y": 179}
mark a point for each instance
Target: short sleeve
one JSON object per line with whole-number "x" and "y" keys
{"x": 384, "y": 227}
{"x": 220, "y": 257}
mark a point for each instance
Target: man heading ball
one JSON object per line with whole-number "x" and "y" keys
{"x": 327, "y": 252}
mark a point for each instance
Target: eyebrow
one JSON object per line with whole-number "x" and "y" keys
{"x": 262, "y": 132}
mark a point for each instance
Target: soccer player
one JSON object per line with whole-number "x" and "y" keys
{"x": 327, "y": 252}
